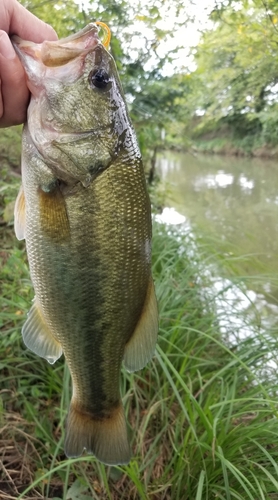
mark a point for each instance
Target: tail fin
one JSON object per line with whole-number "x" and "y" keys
{"x": 105, "y": 438}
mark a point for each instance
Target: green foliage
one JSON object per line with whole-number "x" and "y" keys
{"x": 233, "y": 85}
{"x": 138, "y": 33}
{"x": 10, "y": 147}
{"x": 64, "y": 17}
{"x": 269, "y": 121}
{"x": 155, "y": 112}
{"x": 237, "y": 69}
{"x": 202, "y": 414}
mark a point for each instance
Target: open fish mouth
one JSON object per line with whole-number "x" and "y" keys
{"x": 52, "y": 69}
{"x": 60, "y": 60}
{"x": 59, "y": 52}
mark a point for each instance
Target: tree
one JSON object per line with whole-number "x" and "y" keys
{"x": 65, "y": 17}
{"x": 140, "y": 34}
{"x": 237, "y": 66}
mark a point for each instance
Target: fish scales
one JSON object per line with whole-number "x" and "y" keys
{"x": 112, "y": 223}
{"x": 84, "y": 211}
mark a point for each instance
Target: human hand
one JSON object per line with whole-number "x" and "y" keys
{"x": 14, "y": 94}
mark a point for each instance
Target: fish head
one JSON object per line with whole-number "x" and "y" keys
{"x": 77, "y": 117}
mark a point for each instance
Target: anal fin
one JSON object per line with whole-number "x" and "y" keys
{"x": 141, "y": 346}
{"x": 19, "y": 215}
{"x": 38, "y": 337}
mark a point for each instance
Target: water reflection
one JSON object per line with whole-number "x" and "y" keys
{"x": 220, "y": 179}
{"x": 170, "y": 216}
{"x": 246, "y": 315}
{"x": 241, "y": 311}
{"x": 246, "y": 184}
{"x": 231, "y": 206}
{"x": 166, "y": 165}
{"x": 243, "y": 315}
{"x": 233, "y": 203}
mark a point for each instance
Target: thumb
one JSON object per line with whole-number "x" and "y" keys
{"x": 14, "y": 94}
{"x": 19, "y": 21}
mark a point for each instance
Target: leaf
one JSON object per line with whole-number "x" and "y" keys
{"x": 78, "y": 491}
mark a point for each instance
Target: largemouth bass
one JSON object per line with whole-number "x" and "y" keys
{"x": 85, "y": 214}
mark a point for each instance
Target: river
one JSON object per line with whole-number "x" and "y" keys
{"x": 231, "y": 207}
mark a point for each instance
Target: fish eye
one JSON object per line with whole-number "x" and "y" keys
{"x": 100, "y": 79}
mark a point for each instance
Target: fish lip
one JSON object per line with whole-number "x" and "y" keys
{"x": 58, "y": 52}
{"x": 90, "y": 28}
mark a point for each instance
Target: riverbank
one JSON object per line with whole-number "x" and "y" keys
{"x": 243, "y": 148}
{"x": 202, "y": 415}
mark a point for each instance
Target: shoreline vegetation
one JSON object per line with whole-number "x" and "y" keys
{"x": 10, "y": 148}
{"x": 226, "y": 147}
{"x": 203, "y": 413}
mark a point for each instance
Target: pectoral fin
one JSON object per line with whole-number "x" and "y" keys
{"x": 140, "y": 348}
{"x": 38, "y": 337}
{"x": 19, "y": 215}
{"x": 53, "y": 215}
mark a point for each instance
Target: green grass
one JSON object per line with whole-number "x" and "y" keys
{"x": 10, "y": 147}
{"x": 202, "y": 415}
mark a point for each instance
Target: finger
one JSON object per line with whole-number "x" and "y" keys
{"x": 19, "y": 21}
{"x": 14, "y": 91}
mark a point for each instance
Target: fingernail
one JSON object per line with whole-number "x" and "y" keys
{"x": 6, "y": 48}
